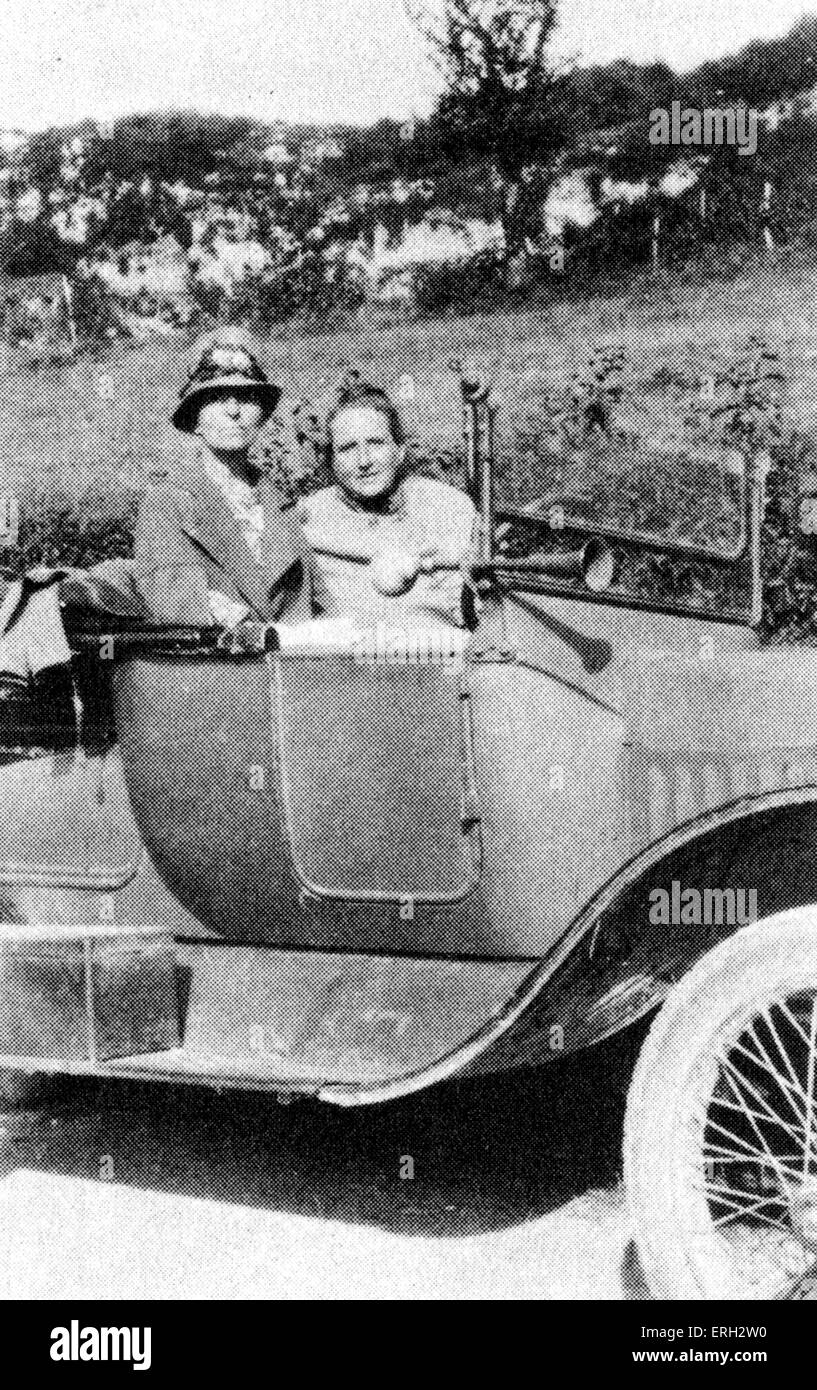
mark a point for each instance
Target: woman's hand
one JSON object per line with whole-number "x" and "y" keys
{"x": 250, "y": 637}
{"x": 227, "y": 612}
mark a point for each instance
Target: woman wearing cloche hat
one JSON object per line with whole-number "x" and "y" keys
{"x": 213, "y": 545}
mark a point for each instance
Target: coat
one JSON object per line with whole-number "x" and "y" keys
{"x": 187, "y": 543}
{"x": 32, "y": 634}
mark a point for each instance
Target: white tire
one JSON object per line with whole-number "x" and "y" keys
{"x": 720, "y": 1136}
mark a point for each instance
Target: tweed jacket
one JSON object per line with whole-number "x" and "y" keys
{"x": 188, "y": 542}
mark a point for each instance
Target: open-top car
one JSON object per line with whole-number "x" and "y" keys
{"x": 356, "y": 871}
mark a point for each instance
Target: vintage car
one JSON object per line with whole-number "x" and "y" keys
{"x": 353, "y": 875}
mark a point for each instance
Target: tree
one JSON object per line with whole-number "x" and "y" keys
{"x": 503, "y": 101}
{"x": 33, "y": 248}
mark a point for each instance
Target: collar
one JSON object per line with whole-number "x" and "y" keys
{"x": 238, "y": 493}
{"x": 208, "y": 517}
{"x": 394, "y": 505}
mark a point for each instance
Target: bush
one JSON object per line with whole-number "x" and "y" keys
{"x": 33, "y": 248}
{"x": 310, "y": 291}
{"x": 789, "y": 559}
{"x": 61, "y": 530}
{"x": 95, "y": 309}
{"x": 462, "y": 287}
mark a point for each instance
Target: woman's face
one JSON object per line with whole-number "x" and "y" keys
{"x": 366, "y": 460}
{"x": 230, "y": 420}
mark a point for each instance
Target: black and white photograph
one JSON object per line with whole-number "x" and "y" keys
{"x": 408, "y": 660}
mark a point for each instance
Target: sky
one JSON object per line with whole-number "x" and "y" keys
{"x": 305, "y": 60}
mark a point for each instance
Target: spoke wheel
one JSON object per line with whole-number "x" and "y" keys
{"x": 721, "y": 1128}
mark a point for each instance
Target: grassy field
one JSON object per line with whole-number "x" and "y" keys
{"x": 79, "y": 439}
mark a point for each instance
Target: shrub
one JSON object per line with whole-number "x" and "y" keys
{"x": 462, "y": 286}
{"x": 61, "y": 530}
{"x": 309, "y": 291}
{"x": 95, "y": 309}
{"x": 789, "y": 559}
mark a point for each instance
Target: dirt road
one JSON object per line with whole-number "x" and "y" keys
{"x": 127, "y": 1191}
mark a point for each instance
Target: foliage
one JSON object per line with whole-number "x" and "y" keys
{"x": 95, "y": 310}
{"x": 507, "y": 125}
{"x": 306, "y": 290}
{"x": 165, "y": 146}
{"x": 33, "y": 248}
{"x": 613, "y": 94}
{"x": 764, "y": 70}
{"x": 586, "y": 450}
{"x": 62, "y": 530}
{"x": 465, "y": 286}
{"x": 502, "y": 100}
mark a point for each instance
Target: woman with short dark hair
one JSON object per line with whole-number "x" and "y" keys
{"x": 389, "y": 542}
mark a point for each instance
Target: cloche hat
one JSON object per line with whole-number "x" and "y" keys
{"x": 225, "y": 357}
